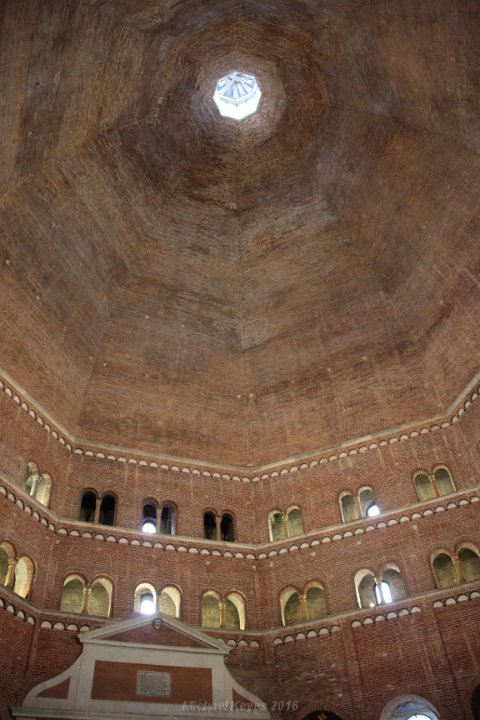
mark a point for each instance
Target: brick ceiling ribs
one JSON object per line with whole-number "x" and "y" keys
{"x": 179, "y": 283}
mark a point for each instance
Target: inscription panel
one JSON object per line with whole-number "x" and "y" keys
{"x": 154, "y": 684}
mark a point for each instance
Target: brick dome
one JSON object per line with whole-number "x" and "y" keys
{"x": 239, "y": 368}
{"x": 182, "y": 284}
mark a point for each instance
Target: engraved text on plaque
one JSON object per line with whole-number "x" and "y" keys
{"x": 155, "y": 684}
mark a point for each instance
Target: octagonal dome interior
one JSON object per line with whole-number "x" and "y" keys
{"x": 179, "y": 283}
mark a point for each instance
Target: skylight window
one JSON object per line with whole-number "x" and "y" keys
{"x": 237, "y": 95}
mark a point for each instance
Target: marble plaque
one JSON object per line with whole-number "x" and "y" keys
{"x": 154, "y": 684}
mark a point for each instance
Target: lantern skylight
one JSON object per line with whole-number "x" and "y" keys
{"x": 237, "y": 95}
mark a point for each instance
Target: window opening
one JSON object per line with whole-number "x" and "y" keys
{"x": 209, "y": 526}
{"x": 147, "y": 603}
{"x": 227, "y": 528}
{"x": 237, "y": 95}
{"x": 88, "y": 506}
{"x": 149, "y": 524}
{"x": 383, "y": 593}
{"x": 107, "y": 510}
{"x": 167, "y": 520}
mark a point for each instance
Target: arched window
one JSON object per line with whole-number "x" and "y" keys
{"x": 149, "y": 517}
{"x": 44, "y": 490}
{"x": 145, "y": 599}
{"x": 211, "y": 610}
{"x": 445, "y": 570}
{"x": 100, "y": 598}
{"x": 469, "y": 561}
{"x": 391, "y": 575}
{"x": 88, "y": 506}
{"x": 73, "y": 594}
{"x": 235, "y": 611}
{"x": 424, "y": 486}
{"x": 38, "y": 485}
{"x": 169, "y": 601}
{"x": 365, "y": 586}
{"x": 443, "y": 481}
{"x": 227, "y": 528}
{"x": 24, "y": 572}
{"x": 209, "y": 526}
{"x": 294, "y": 521}
{"x": 409, "y": 707}
{"x": 168, "y": 519}
{"x": 385, "y": 589}
{"x": 353, "y": 507}
{"x": 107, "y": 510}
{"x": 7, "y": 565}
{"x": 349, "y": 507}
{"x": 32, "y": 478}
{"x": 276, "y": 525}
{"x": 368, "y": 506}
{"x": 435, "y": 484}
{"x": 291, "y": 607}
{"x": 315, "y": 602}
{"x": 383, "y": 594}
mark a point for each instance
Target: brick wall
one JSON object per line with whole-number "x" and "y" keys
{"x": 354, "y": 671}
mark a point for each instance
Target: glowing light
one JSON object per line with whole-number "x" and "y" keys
{"x": 237, "y": 95}
{"x": 147, "y": 604}
{"x": 149, "y": 527}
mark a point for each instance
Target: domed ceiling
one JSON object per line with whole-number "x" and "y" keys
{"x": 180, "y": 283}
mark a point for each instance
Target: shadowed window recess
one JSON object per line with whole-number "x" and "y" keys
{"x": 434, "y": 484}
{"x": 362, "y": 504}
{"x": 379, "y": 589}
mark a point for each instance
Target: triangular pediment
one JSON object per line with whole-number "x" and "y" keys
{"x": 135, "y": 668}
{"x": 159, "y": 630}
